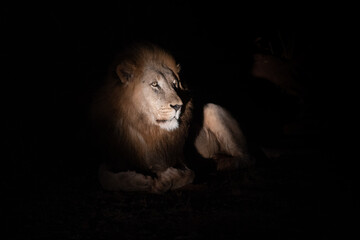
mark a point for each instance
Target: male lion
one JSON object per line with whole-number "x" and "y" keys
{"x": 143, "y": 113}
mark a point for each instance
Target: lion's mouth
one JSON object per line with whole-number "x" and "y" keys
{"x": 165, "y": 121}
{"x": 168, "y": 125}
{"x": 162, "y": 121}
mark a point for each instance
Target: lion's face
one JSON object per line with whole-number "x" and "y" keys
{"x": 156, "y": 97}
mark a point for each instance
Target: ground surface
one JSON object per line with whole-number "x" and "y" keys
{"x": 291, "y": 195}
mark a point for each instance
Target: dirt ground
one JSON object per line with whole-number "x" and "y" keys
{"x": 294, "y": 193}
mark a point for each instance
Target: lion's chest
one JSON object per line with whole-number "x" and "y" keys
{"x": 157, "y": 152}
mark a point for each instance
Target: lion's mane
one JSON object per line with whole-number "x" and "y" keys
{"x": 119, "y": 124}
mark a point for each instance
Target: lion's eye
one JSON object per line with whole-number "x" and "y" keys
{"x": 155, "y": 84}
{"x": 175, "y": 84}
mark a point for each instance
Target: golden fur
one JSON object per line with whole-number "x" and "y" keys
{"x": 143, "y": 114}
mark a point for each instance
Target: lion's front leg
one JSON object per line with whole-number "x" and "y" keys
{"x": 124, "y": 181}
{"x": 172, "y": 178}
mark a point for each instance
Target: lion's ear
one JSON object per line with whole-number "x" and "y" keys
{"x": 125, "y": 72}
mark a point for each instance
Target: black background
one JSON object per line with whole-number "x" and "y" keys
{"x": 55, "y": 54}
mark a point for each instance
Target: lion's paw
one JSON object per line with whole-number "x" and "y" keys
{"x": 140, "y": 181}
{"x": 172, "y": 178}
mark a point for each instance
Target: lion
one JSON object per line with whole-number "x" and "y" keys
{"x": 143, "y": 113}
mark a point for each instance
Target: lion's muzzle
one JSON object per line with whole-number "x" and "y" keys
{"x": 168, "y": 118}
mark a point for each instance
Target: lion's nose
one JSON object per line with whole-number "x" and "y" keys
{"x": 176, "y": 107}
